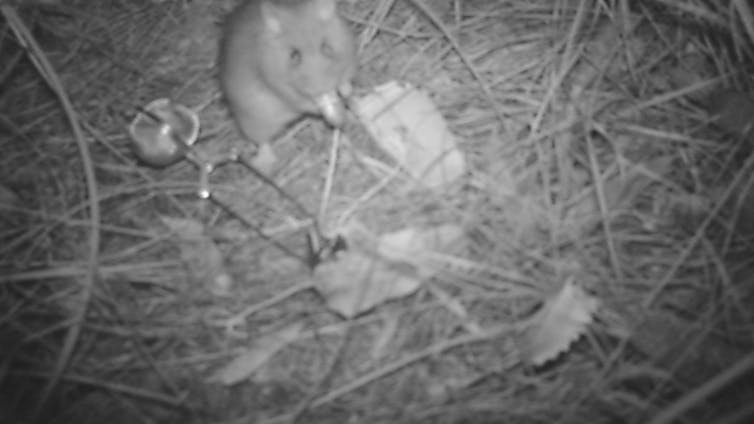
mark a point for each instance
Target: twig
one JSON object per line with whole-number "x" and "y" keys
{"x": 745, "y": 169}
{"x": 337, "y": 357}
{"x": 671, "y": 413}
{"x": 419, "y": 4}
{"x": 331, "y": 165}
{"x": 46, "y": 70}
{"x": 114, "y": 387}
{"x": 599, "y": 189}
{"x": 396, "y": 365}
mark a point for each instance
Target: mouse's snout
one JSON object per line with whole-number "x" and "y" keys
{"x": 332, "y": 108}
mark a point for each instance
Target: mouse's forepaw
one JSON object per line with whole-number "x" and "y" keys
{"x": 265, "y": 159}
{"x": 345, "y": 89}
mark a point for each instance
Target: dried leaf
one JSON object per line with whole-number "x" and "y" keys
{"x": 201, "y": 255}
{"x": 245, "y": 364}
{"x": 410, "y": 245}
{"x": 358, "y": 281}
{"x": 560, "y": 322}
{"x": 362, "y": 278}
{"x": 408, "y": 126}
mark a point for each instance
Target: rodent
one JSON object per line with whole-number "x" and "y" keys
{"x": 283, "y": 59}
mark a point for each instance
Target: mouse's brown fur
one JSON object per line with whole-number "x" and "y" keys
{"x": 278, "y": 57}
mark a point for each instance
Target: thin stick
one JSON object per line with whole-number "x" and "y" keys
{"x": 599, "y": 189}
{"x": 401, "y": 363}
{"x": 331, "y": 165}
{"x": 671, "y": 413}
{"x": 650, "y": 299}
{"x": 241, "y": 317}
{"x": 419, "y": 4}
{"x": 46, "y": 70}
{"x": 257, "y": 229}
{"x": 113, "y": 387}
{"x": 325, "y": 379}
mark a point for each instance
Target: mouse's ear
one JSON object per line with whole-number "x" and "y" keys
{"x": 270, "y": 17}
{"x": 326, "y": 9}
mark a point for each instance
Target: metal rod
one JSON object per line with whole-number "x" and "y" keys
{"x": 257, "y": 229}
{"x": 301, "y": 208}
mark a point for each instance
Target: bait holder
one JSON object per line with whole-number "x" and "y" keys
{"x": 163, "y": 133}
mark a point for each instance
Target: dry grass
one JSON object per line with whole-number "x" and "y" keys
{"x": 587, "y": 127}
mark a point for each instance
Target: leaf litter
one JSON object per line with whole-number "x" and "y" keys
{"x": 594, "y": 151}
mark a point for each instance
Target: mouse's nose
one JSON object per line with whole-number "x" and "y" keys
{"x": 332, "y": 108}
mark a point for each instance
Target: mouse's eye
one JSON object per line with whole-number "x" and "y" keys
{"x": 327, "y": 49}
{"x": 295, "y": 56}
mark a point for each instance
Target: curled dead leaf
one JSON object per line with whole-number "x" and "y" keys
{"x": 405, "y": 123}
{"x": 256, "y": 356}
{"x": 375, "y": 270}
{"x": 560, "y": 322}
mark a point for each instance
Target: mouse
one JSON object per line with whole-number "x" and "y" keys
{"x": 282, "y": 60}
